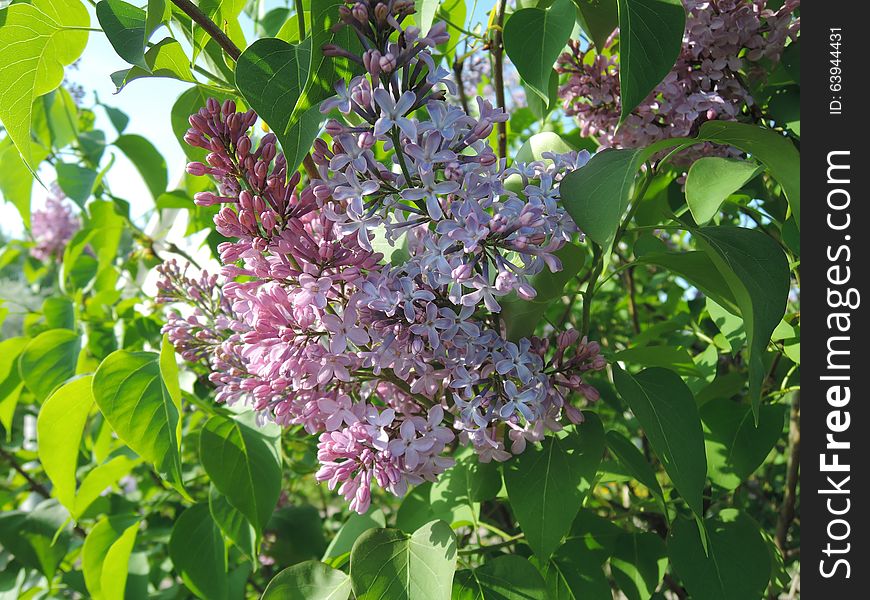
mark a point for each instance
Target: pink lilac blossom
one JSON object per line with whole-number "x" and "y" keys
{"x": 723, "y": 38}
{"x": 388, "y": 363}
{"x": 52, "y": 227}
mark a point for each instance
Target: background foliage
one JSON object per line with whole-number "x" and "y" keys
{"x": 122, "y": 478}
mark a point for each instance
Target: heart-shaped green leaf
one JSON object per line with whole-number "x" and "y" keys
{"x": 534, "y": 38}
{"x": 271, "y": 75}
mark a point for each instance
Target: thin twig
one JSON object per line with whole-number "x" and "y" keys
{"x": 210, "y": 27}
{"x": 786, "y": 510}
{"x": 34, "y": 485}
{"x": 497, "y": 49}
{"x": 457, "y": 71}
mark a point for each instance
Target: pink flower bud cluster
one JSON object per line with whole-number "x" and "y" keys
{"x": 389, "y": 362}
{"x": 52, "y": 227}
{"x": 726, "y": 43}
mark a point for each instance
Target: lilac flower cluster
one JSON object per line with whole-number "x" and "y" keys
{"x": 722, "y": 38}
{"x": 52, "y": 227}
{"x": 389, "y": 362}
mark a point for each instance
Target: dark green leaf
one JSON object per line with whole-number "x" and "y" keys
{"x": 546, "y": 485}
{"x": 666, "y": 410}
{"x": 756, "y": 270}
{"x": 198, "y": 553}
{"x": 147, "y": 160}
{"x": 736, "y": 447}
{"x": 575, "y": 573}
{"x": 638, "y": 564}
{"x": 232, "y": 523}
{"x": 533, "y": 40}
{"x": 323, "y": 71}
{"x": 650, "y": 39}
{"x": 124, "y": 25}
{"x": 271, "y": 75}
{"x": 633, "y": 461}
{"x": 508, "y": 577}
{"x": 76, "y": 182}
{"x": 735, "y": 565}
{"x": 598, "y": 18}
{"x": 30, "y": 536}
{"x": 675, "y": 359}
{"x": 245, "y": 466}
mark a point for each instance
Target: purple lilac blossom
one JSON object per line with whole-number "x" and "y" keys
{"x": 388, "y": 363}
{"x": 52, "y": 227}
{"x": 722, "y": 38}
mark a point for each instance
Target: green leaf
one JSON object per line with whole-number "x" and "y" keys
{"x": 757, "y": 273}
{"x": 198, "y": 553}
{"x": 297, "y": 533}
{"x": 773, "y": 150}
{"x": 711, "y": 179}
{"x": 232, "y": 523}
{"x": 388, "y": 563}
{"x": 425, "y": 14}
{"x": 38, "y": 39}
{"x": 669, "y": 357}
{"x": 244, "y": 465}
{"x": 633, "y": 461}
{"x": 147, "y": 160}
{"x": 271, "y": 75}
{"x": 99, "y": 541}
{"x": 30, "y": 536}
{"x": 119, "y": 118}
{"x": 76, "y": 182}
{"x": 597, "y": 194}
{"x": 323, "y": 71}
{"x": 156, "y": 13}
{"x": 49, "y": 360}
{"x": 521, "y": 317}
{"x": 666, "y": 410}
{"x": 533, "y": 40}
{"x": 507, "y": 577}
{"x": 113, "y": 578}
{"x": 310, "y": 580}
{"x": 736, "y": 447}
{"x": 124, "y": 25}
{"x": 546, "y": 141}
{"x": 650, "y": 40}
{"x": 638, "y": 564}
{"x": 735, "y": 565}
{"x": 100, "y": 478}
{"x": 730, "y": 325}
{"x": 137, "y": 401}
{"x": 574, "y": 573}
{"x": 698, "y": 269}
{"x": 355, "y": 526}
{"x": 10, "y": 380}
{"x": 60, "y": 426}
{"x": 16, "y": 181}
{"x": 165, "y": 59}
{"x": 599, "y": 19}
{"x": 546, "y": 484}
